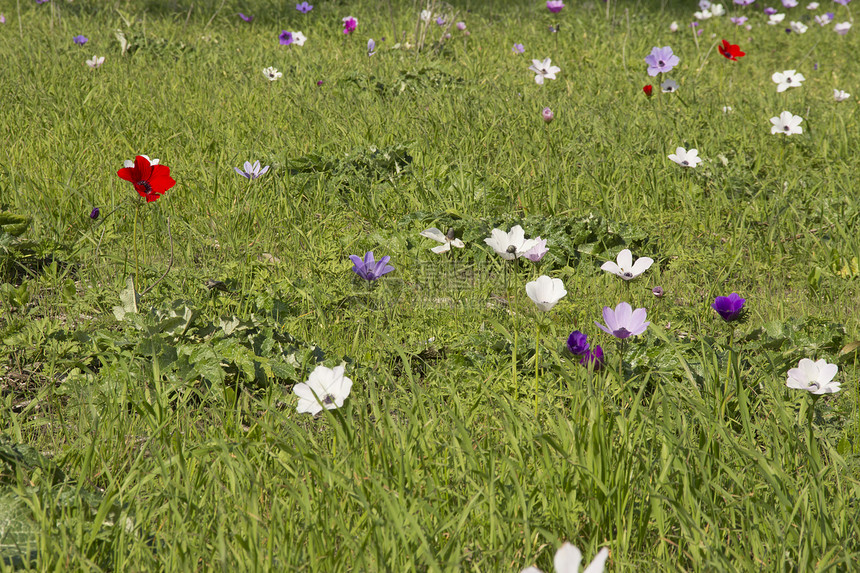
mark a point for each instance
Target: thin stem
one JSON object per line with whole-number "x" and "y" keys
{"x": 169, "y": 265}
{"x": 537, "y": 366}
{"x": 134, "y": 241}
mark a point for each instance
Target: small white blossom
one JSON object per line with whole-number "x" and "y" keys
{"x": 568, "y": 558}
{"x": 96, "y": 62}
{"x": 272, "y": 73}
{"x": 816, "y": 377}
{"x": 685, "y": 158}
{"x": 787, "y": 79}
{"x": 840, "y": 95}
{"x": 447, "y": 240}
{"x": 775, "y": 19}
{"x": 326, "y": 388}
{"x": 544, "y": 70}
{"x": 787, "y": 123}
{"x": 798, "y": 27}
{"x": 624, "y": 266}
{"x": 545, "y": 292}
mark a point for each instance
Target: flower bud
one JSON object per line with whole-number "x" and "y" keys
{"x": 547, "y": 115}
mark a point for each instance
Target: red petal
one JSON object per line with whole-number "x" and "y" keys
{"x": 128, "y": 174}
{"x": 161, "y": 182}
{"x": 144, "y": 169}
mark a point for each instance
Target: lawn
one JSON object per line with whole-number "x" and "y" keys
{"x": 155, "y": 355}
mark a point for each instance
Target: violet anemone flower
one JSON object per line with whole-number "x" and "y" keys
{"x": 623, "y": 322}
{"x": 519, "y": 48}
{"x": 371, "y": 47}
{"x": 368, "y": 268}
{"x": 661, "y": 60}
{"x": 245, "y": 17}
{"x": 94, "y": 214}
{"x": 547, "y": 115}
{"x": 593, "y": 357}
{"x": 577, "y": 343}
{"x": 554, "y": 6}
{"x": 349, "y": 24}
{"x": 304, "y": 7}
{"x": 252, "y": 171}
{"x": 285, "y": 38}
{"x": 80, "y": 40}
{"x": 729, "y": 307}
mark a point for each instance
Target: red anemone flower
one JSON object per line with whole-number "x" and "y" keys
{"x": 648, "y": 90}
{"x": 731, "y": 51}
{"x": 149, "y": 180}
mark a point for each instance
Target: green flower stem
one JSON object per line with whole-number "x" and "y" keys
{"x": 537, "y": 366}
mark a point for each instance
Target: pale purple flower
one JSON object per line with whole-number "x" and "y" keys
{"x": 823, "y": 20}
{"x": 252, "y": 171}
{"x": 285, "y": 38}
{"x": 842, "y": 28}
{"x": 80, "y": 40}
{"x": 770, "y": 11}
{"x": 349, "y": 24}
{"x": 623, "y": 322}
{"x": 461, "y": 26}
{"x": 843, "y": 2}
{"x": 739, "y": 21}
{"x": 518, "y": 48}
{"x": 245, "y": 17}
{"x": 547, "y": 115}
{"x": 537, "y": 252}
{"x": 661, "y": 60}
{"x": 368, "y": 268}
{"x": 744, "y": 2}
{"x": 371, "y": 47}
{"x": 2, "y": 18}
{"x": 440, "y": 21}
{"x": 789, "y": 3}
{"x": 729, "y": 307}
{"x": 657, "y": 291}
{"x": 41, "y": 1}
{"x": 304, "y": 7}
{"x": 554, "y": 6}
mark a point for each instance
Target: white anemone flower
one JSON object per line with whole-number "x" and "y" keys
{"x": 299, "y": 39}
{"x": 673, "y": 27}
{"x": 703, "y": 15}
{"x": 326, "y": 388}
{"x": 840, "y": 95}
{"x": 448, "y": 240}
{"x": 798, "y": 27}
{"x": 812, "y": 6}
{"x": 130, "y": 162}
{"x": 272, "y": 73}
{"x": 775, "y": 19}
{"x": 787, "y": 79}
{"x": 787, "y": 123}
{"x": 842, "y": 28}
{"x": 685, "y": 158}
{"x": 669, "y": 86}
{"x": 568, "y": 558}
{"x": 96, "y": 62}
{"x": 624, "y": 266}
{"x": 510, "y": 245}
{"x": 816, "y": 377}
{"x": 545, "y": 292}
{"x": 544, "y": 70}
{"x": 717, "y": 10}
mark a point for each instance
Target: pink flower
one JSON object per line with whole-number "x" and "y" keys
{"x": 349, "y": 25}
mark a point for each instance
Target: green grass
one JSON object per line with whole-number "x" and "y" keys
{"x": 172, "y": 435}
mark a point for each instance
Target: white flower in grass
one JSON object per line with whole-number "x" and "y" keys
{"x": 717, "y": 10}
{"x": 544, "y": 70}
{"x": 685, "y": 159}
{"x": 812, "y": 6}
{"x": 787, "y": 123}
{"x": 775, "y": 19}
{"x": 840, "y": 95}
{"x": 673, "y": 27}
{"x": 816, "y": 377}
{"x": 568, "y": 558}
{"x": 326, "y": 388}
{"x": 787, "y": 79}
{"x": 842, "y": 28}
{"x": 798, "y": 27}
{"x": 545, "y": 292}
{"x": 299, "y": 39}
{"x": 96, "y": 62}
{"x": 426, "y": 15}
{"x": 669, "y": 86}
{"x": 510, "y": 245}
{"x": 625, "y": 268}
{"x": 703, "y": 15}
{"x": 447, "y": 240}
{"x": 272, "y": 73}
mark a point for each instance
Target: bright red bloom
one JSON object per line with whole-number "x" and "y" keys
{"x": 150, "y": 181}
{"x": 648, "y": 90}
{"x": 731, "y": 51}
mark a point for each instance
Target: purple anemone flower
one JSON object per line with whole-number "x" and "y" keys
{"x": 519, "y": 48}
{"x": 744, "y": 2}
{"x": 729, "y": 307}
{"x": 661, "y": 60}
{"x": 304, "y": 7}
{"x": 739, "y": 21}
{"x": 94, "y": 214}
{"x": 368, "y": 268}
{"x": 593, "y": 357}
{"x": 285, "y": 38}
{"x": 577, "y": 343}
{"x": 554, "y": 6}
{"x": 843, "y": 2}
{"x": 245, "y": 17}
{"x": 371, "y": 47}
{"x": 770, "y": 11}
{"x": 80, "y": 40}
{"x": 623, "y": 322}
{"x": 349, "y": 24}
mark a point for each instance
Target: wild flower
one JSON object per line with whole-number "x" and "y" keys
{"x": 448, "y": 239}
{"x": 544, "y": 70}
{"x": 96, "y": 62}
{"x": 252, "y": 171}
{"x": 150, "y": 179}
{"x": 669, "y": 86}
{"x": 842, "y": 28}
{"x": 272, "y": 73}
{"x": 536, "y": 253}
{"x": 686, "y": 158}
{"x": 299, "y": 39}
{"x": 840, "y": 95}
{"x": 245, "y": 17}
{"x": 80, "y": 40}
{"x": 787, "y": 123}
{"x": 624, "y": 266}
{"x": 368, "y": 268}
{"x": 349, "y": 24}
{"x": 823, "y": 20}
{"x": 744, "y": 2}
{"x": 326, "y": 388}
{"x": 510, "y": 245}
{"x": 718, "y": 10}
{"x": 285, "y": 38}
{"x": 577, "y": 343}
{"x": 815, "y": 377}
{"x": 545, "y": 292}
{"x": 730, "y": 51}
{"x": 703, "y": 15}
{"x": 304, "y": 7}
{"x": 547, "y": 115}
{"x": 798, "y": 27}
{"x": 843, "y": 2}
{"x": 739, "y": 21}
{"x": 94, "y": 214}
{"x": 789, "y": 3}
{"x": 812, "y": 6}
{"x": 648, "y": 90}
{"x": 461, "y": 26}
{"x": 661, "y": 60}
{"x": 568, "y": 558}
{"x": 518, "y": 49}
{"x": 729, "y": 307}
{"x": 623, "y": 322}
{"x": 657, "y": 291}
{"x": 371, "y": 47}
{"x": 554, "y": 6}
{"x": 775, "y": 19}
{"x": 787, "y": 79}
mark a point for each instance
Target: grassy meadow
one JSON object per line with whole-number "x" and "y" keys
{"x": 148, "y": 356}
